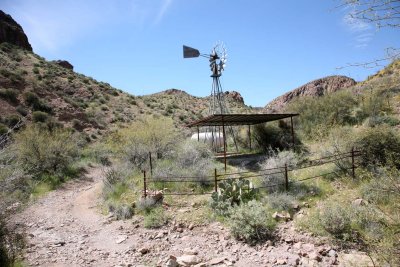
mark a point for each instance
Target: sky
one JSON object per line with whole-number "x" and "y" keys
{"x": 273, "y": 46}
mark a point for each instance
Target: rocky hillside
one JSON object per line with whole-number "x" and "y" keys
{"x": 318, "y": 87}
{"x": 51, "y": 92}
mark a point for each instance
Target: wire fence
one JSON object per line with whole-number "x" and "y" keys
{"x": 283, "y": 170}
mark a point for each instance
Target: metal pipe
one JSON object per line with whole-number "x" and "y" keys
{"x": 224, "y": 139}
{"x": 291, "y": 124}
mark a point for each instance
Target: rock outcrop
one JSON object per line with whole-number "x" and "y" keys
{"x": 64, "y": 64}
{"x": 11, "y": 32}
{"x": 316, "y": 88}
{"x": 235, "y": 96}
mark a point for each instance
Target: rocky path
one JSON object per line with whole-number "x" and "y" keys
{"x": 66, "y": 228}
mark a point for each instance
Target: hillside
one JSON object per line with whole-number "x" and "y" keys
{"x": 29, "y": 83}
{"x": 315, "y": 88}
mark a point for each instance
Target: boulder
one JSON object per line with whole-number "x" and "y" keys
{"x": 188, "y": 260}
{"x": 64, "y": 64}
{"x": 11, "y": 32}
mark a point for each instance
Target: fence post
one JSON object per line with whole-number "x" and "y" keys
{"x": 151, "y": 165}
{"x": 144, "y": 184}
{"x": 215, "y": 180}
{"x": 286, "y": 178}
{"x": 353, "y": 167}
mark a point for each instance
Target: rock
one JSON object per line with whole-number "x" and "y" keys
{"x": 236, "y": 96}
{"x": 191, "y": 226}
{"x": 171, "y": 262}
{"x": 11, "y": 32}
{"x": 359, "y": 202}
{"x": 281, "y": 261}
{"x": 315, "y": 256}
{"x": 216, "y": 261}
{"x": 332, "y": 253}
{"x": 316, "y": 88}
{"x": 144, "y": 250}
{"x": 64, "y": 64}
{"x": 281, "y": 216}
{"x": 121, "y": 239}
{"x": 188, "y": 260}
{"x": 189, "y": 251}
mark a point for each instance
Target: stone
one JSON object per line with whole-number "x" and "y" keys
{"x": 171, "y": 263}
{"x": 216, "y": 261}
{"x": 191, "y": 226}
{"x": 332, "y": 253}
{"x": 314, "y": 256}
{"x": 281, "y": 261}
{"x": 187, "y": 260}
{"x": 359, "y": 202}
{"x": 144, "y": 250}
{"x": 189, "y": 251}
{"x": 64, "y": 64}
{"x": 121, "y": 239}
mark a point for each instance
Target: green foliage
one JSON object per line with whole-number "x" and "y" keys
{"x": 12, "y": 120}
{"x": 21, "y": 110}
{"x": 336, "y": 220}
{"x": 272, "y": 136}
{"x": 3, "y": 129}
{"x": 281, "y": 201}
{"x": 9, "y": 95}
{"x": 234, "y": 192}
{"x": 133, "y": 144}
{"x": 155, "y": 218}
{"x": 146, "y": 204}
{"x": 320, "y": 114}
{"x": 41, "y": 151}
{"x": 251, "y": 222}
{"x": 11, "y": 245}
{"x": 274, "y": 179}
{"x": 33, "y": 100}
{"x": 39, "y": 116}
{"x": 378, "y": 145}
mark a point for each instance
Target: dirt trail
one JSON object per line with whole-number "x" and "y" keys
{"x": 66, "y": 228}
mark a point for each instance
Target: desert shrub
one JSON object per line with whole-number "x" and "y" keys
{"x": 33, "y": 100}
{"x": 156, "y": 135}
{"x": 21, "y": 110}
{"x": 39, "y": 116}
{"x": 11, "y": 245}
{"x": 146, "y": 204}
{"x": 100, "y": 153}
{"x": 281, "y": 201}
{"x": 190, "y": 158}
{"x": 377, "y": 145}
{"x": 235, "y": 191}
{"x": 272, "y": 179}
{"x": 9, "y": 94}
{"x": 39, "y": 150}
{"x": 251, "y": 222}
{"x": 320, "y": 114}
{"x": 267, "y": 136}
{"x": 336, "y": 220}
{"x": 121, "y": 211}
{"x": 115, "y": 180}
{"x": 155, "y": 218}
{"x": 3, "y": 129}
{"x": 12, "y": 120}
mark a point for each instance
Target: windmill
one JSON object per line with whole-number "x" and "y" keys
{"x": 217, "y": 58}
{"x": 217, "y": 105}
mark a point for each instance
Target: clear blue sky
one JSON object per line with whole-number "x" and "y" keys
{"x": 273, "y": 46}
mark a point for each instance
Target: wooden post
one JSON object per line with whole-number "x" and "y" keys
{"x": 144, "y": 184}
{"x": 151, "y": 165}
{"x": 215, "y": 180}
{"x": 224, "y": 139}
{"x": 198, "y": 134}
{"x": 353, "y": 167}
{"x": 291, "y": 124}
{"x": 249, "y": 137}
{"x": 286, "y": 178}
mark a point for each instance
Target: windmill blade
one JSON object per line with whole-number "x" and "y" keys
{"x": 189, "y": 52}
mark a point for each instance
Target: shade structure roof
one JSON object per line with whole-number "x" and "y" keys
{"x": 238, "y": 119}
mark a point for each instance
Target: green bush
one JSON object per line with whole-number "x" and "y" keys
{"x": 39, "y": 116}
{"x": 3, "y": 129}
{"x": 235, "y": 191}
{"x": 251, "y": 222}
{"x": 12, "y": 120}
{"x": 121, "y": 211}
{"x": 11, "y": 245}
{"x": 31, "y": 99}
{"x": 155, "y": 218}
{"x": 273, "y": 180}
{"x": 21, "y": 110}
{"x": 281, "y": 201}
{"x": 41, "y": 151}
{"x": 336, "y": 220}
{"x": 378, "y": 145}
{"x": 9, "y": 94}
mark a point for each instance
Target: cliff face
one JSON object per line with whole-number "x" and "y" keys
{"x": 12, "y": 32}
{"x": 318, "y": 87}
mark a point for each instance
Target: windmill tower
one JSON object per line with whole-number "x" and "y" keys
{"x": 217, "y": 105}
